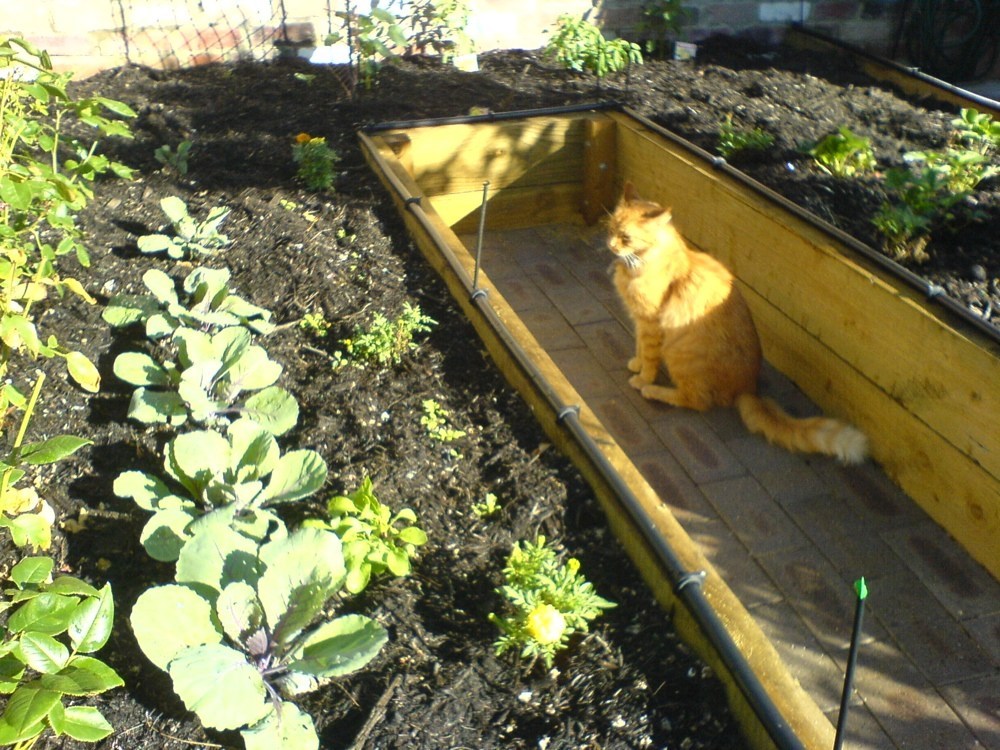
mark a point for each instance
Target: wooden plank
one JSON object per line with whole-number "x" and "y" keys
{"x": 599, "y": 197}
{"x": 958, "y": 494}
{"x": 534, "y": 151}
{"x": 512, "y": 208}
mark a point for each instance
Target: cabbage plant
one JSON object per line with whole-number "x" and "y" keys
{"x": 243, "y": 630}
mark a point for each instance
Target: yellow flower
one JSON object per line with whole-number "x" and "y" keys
{"x": 303, "y": 138}
{"x": 545, "y": 624}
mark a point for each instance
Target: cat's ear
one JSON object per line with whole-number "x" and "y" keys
{"x": 629, "y": 193}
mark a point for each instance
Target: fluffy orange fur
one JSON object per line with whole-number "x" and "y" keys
{"x": 690, "y": 316}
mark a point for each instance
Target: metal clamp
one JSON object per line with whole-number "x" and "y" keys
{"x": 691, "y": 579}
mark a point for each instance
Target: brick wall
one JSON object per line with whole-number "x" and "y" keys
{"x": 90, "y": 35}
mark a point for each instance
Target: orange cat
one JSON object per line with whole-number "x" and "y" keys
{"x": 689, "y": 315}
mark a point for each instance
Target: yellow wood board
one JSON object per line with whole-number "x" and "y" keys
{"x": 802, "y": 714}
{"x": 458, "y": 158}
{"x": 926, "y": 393}
{"x": 512, "y": 208}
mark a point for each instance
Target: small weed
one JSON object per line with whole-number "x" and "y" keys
{"x": 734, "y": 140}
{"x": 488, "y": 507}
{"x": 385, "y": 341}
{"x": 435, "y": 420}
{"x": 315, "y": 324}
{"x": 175, "y": 160}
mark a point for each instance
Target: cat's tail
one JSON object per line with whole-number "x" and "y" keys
{"x": 807, "y": 435}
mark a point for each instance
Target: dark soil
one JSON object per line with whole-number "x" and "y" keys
{"x": 630, "y": 683}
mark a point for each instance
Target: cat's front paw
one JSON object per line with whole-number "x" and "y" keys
{"x": 634, "y": 364}
{"x": 638, "y": 382}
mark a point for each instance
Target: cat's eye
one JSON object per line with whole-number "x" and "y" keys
{"x": 624, "y": 238}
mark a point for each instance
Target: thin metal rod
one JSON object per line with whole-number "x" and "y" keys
{"x": 852, "y": 662}
{"x": 479, "y": 238}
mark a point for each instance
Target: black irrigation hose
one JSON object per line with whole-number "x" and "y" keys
{"x": 687, "y": 584}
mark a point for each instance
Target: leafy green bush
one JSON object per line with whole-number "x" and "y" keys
{"x": 661, "y": 19}
{"x": 579, "y": 45}
{"x": 374, "y": 38}
{"x": 439, "y": 25}
{"x": 228, "y": 479}
{"x": 376, "y": 540}
{"x": 46, "y": 174}
{"x": 191, "y": 237}
{"x": 843, "y": 154}
{"x": 550, "y": 600}
{"x": 236, "y": 631}
{"x": 52, "y": 628}
{"x": 385, "y": 341}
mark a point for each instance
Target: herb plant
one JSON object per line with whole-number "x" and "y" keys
{"x": 46, "y": 172}
{"x": 244, "y": 629}
{"x": 843, "y": 154}
{"x": 52, "y": 628}
{"x": 735, "y": 140}
{"x": 439, "y": 25}
{"x": 577, "y": 44}
{"x": 977, "y": 131}
{"x": 385, "y": 341}
{"x": 316, "y": 161}
{"x": 191, "y": 237}
{"x": 376, "y": 540}
{"x": 204, "y": 304}
{"x": 549, "y": 600}
{"x": 175, "y": 160}
{"x": 373, "y": 37}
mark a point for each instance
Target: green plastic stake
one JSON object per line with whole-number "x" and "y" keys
{"x": 861, "y": 589}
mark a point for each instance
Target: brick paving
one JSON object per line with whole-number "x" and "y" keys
{"x": 789, "y": 533}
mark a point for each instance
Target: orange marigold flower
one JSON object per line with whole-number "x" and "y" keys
{"x": 303, "y": 138}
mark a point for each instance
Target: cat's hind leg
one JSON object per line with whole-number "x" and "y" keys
{"x": 684, "y": 397}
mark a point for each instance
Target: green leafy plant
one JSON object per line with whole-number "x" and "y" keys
{"x": 661, "y": 20}
{"x": 191, "y": 237}
{"x": 577, "y": 44}
{"x": 205, "y": 304}
{"x": 236, "y": 631}
{"x": 175, "y": 160}
{"x": 977, "y": 131}
{"x": 385, "y": 341}
{"x": 435, "y": 421}
{"x": 47, "y": 170}
{"x": 206, "y": 382}
{"x": 316, "y": 161}
{"x": 549, "y": 600}
{"x": 924, "y": 194}
{"x": 488, "y": 507}
{"x": 440, "y": 26}
{"x": 232, "y": 478}
{"x": 843, "y": 154}
{"x": 735, "y": 140}
{"x": 372, "y": 37}
{"x": 315, "y": 324}
{"x": 23, "y": 513}
{"x": 53, "y": 625}
{"x": 376, "y": 540}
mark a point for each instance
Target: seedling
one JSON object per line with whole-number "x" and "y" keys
{"x": 175, "y": 160}
{"x": 435, "y": 420}
{"x": 977, "y": 131}
{"x": 488, "y": 507}
{"x": 843, "y": 154}
{"x": 385, "y": 341}
{"x": 735, "y": 140}
{"x": 52, "y": 628}
{"x": 316, "y": 161}
{"x": 236, "y": 631}
{"x": 191, "y": 237}
{"x": 315, "y": 324}
{"x": 579, "y": 45}
{"x": 376, "y": 540}
{"x": 549, "y": 601}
